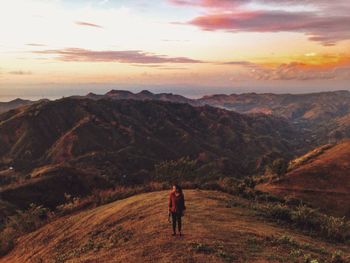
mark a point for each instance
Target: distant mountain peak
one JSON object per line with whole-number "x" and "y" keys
{"x": 18, "y": 100}
{"x": 91, "y": 94}
{"x": 118, "y": 92}
{"x": 145, "y": 92}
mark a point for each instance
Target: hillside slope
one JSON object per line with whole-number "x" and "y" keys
{"x": 101, "y": 142}
{"x": 297, "y": 107}
{"x": 323, "y": 181}
{"x": 325, "y": 114}
{"x": 13, "y": 104}
{"x": 136, "y": 230}
{"x": 67, "y": 129}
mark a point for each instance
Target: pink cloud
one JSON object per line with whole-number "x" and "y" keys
{"x": 321, "y": 4}
{"x": 209, "y": 3}
{"x": 82, "y": 23}
{"x": 20, "y": 72}
{"x": 127, "y": 56}
{"x": 326, "y": 30}
{"x": 327, "y": 24}
{"x": 35, "y": 45}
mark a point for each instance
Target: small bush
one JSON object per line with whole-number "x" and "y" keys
{"x": 291, "y": 201}
{"x": 249, "y": 182}
{"x": 279, "y": 167}
{"x": 337, "y": 257}
{"x": 74, "y": 204}
{"x": 287, "y": 240}
{"x": 306, "y": 218}
{"x": 20, "y": 223}
{"x": 28, "y": 220}
{"x": 278, "y": 212}
{"x": 335, "y": 228}
{"x": 202, "y": 248}
{"x": 7, "y": 237}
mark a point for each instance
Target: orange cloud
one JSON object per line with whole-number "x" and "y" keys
{"x": 297, "y": 70}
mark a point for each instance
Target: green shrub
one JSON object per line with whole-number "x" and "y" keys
{"x": 291, "y": 201}
{"x": 306, "y": 218}
{"x": 337, "y": 257}
{"x": 266, "y": 197}
{"x": 335, "y": 228}
{"x": 20, "y": 223}
{"x": 179, "y": 170}
{"x": 278, "y": 212}
{"x": 249, "y": 182}
{"x": 28, "y": 220}
{"x": 7, "y": 237}
{"x": 202, "y": 248}
{"x": 287, "y": 240}
{"x": 279, "y": 167}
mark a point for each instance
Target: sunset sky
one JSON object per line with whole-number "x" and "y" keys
{"x": 191, "y": 47}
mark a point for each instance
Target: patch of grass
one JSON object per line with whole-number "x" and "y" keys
{"x": 20, "y": 223}
{"x": 254, "y": 245}
{"x": 309, "y": 259}
{"x": 277, "y": 212}
{"x": 308, "y": 219}
{"x": 226, "y": 256}
{"x": 7, "y": 240}
{"x": 338, "y": 257}
{"x": 218, "y": 249}
{"x": 203, "y": 248}
{"x": 105, "y": 238}
{"x": 300, "y": 252}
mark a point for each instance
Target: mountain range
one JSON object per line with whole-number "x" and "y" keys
{"x": 65, "y": 153}
{"x": 326, "y": 115}
{"x": 96, "y": 143}
{"x": 100, "y": 140}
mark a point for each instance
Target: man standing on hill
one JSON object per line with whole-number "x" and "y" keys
{"x": 176, "y": 207}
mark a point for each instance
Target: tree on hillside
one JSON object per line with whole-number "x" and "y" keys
{"x": 279, "y": 167}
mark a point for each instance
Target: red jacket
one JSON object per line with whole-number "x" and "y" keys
{"x": 176, "y": 203}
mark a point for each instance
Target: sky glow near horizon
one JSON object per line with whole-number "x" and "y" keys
{"x": 182, "y": 46}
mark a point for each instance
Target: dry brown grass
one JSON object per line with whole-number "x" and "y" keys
{"x": 136, "y": 230}
{"x": 323, "y": 181}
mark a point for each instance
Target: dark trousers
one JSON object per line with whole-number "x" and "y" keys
{"x": 176, "y": 217}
